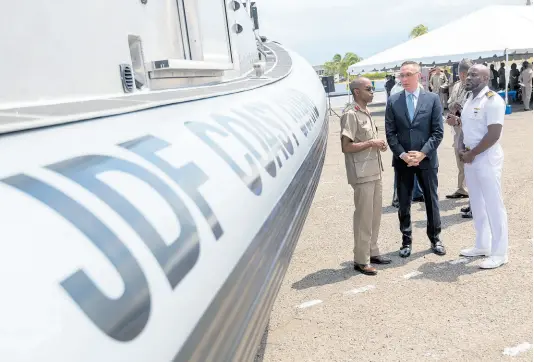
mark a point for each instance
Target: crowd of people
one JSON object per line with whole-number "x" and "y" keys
{"x": 414, "y": 124}
{"x": 440, "y": 81}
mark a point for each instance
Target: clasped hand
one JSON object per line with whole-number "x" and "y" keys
{"x": 466, "y": 156}
{"x": 413, "y": 158}
{"x": 452, "y": 120}
{"x": 380, "y": 144}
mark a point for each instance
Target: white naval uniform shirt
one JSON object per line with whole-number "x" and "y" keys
{"x": 477, "y": 115}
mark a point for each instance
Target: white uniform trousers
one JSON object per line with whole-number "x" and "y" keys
{"x": 483, "y": 177}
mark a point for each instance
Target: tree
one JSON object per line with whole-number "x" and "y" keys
{"x": 339, "y": 65}
{"x": 348, "y": 60}
{"x": 418, "y": 31}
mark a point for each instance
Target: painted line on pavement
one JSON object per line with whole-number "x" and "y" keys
{"x": 311, "y": 303}
{"x": 458, "y": 261}
{"x": 360, "y": 290}
{"x": 514, "y": 351}
{"x": 412, "y": 274}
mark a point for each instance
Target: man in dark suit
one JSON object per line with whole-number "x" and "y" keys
{"x": 414, "y": 130}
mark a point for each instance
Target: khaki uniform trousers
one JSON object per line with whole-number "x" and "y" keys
{"x": 461, "y": 173}
{"x": 527, "y": 92}
{"x": 366, "y": 220}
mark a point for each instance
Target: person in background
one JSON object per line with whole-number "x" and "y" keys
{"x": 494, "y": 77}
{"x": 390, "y": 83}
{"x": 526, "y": 79}
{"x": 514, "y": 77}
{"x": 414, "y": 130}
{"x": 502, "y": 77}
{"x": 437, "y": 82}
{"x": 361, "y": 146}
{"x": 456, "y": 102}
{"x": 482, "y": 123}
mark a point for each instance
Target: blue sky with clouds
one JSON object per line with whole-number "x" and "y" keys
{"x": 318, "y": 29}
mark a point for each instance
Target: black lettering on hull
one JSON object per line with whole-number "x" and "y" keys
{"x": 253, "y": 180}
{"x": 189, "y": 177}
{"x": 176, "y": 259}
{"x": 123, "y": 318}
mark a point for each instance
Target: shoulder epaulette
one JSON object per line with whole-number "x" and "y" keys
{"x": 490, "y": 94}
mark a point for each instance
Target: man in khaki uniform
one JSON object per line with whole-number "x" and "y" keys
{"x": 361, "y": 146}
{"x": 456, "y": 102}
{"x": 438, "y": 81}
{"x": 526, "y": 79}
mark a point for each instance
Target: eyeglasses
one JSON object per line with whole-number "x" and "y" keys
{"x": 407, "y": 75}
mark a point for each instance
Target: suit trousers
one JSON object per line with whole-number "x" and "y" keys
{"x": 417, "y": 191}
{"x": 366, "y": 220}
{"x": 428, "y": 179}
{"x": 483, "y": 177}
{"x": 461, "y": 173}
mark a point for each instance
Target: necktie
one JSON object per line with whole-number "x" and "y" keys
{"x": 410, "y": 106}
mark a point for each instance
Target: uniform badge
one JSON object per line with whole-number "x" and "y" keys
{"x": 490, "y": 94}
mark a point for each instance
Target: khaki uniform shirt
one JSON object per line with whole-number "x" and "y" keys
{"x": 364, "y": 166}
{"x": 526, "y": 77}
{"x": 436, "y": 81}
{"x": 458, "y": 95}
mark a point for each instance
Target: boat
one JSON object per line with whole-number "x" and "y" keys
{"x": 159, "y": 159}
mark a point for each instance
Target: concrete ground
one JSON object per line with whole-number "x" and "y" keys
{"x": 425, "y": 308}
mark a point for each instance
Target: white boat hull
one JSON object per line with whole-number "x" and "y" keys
{"x": 161, "y": 234}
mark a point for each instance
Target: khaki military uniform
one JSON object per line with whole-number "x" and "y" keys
{"x": 364, "y": 174}
{"x": 458, "y": 95}
{"x": 526, "y": 78}
{"x": 437, "y": 82}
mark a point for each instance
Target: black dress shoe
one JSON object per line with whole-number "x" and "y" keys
{"x": 366, "y": 269}
{"x": 395, "y": 203}
{"x": 457, "y": 195}
{"x": 405, "y": 251}
{"x": 467, "y": 215}
{"x": 465, "y": 209}
{"x": 419, "y": 199}
{"x": 380, "y": 260}
{"x": 438, "y": 248}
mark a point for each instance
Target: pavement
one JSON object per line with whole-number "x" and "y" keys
{"x": 424, "y": 308}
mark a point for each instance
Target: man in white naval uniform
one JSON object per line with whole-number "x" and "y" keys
{"x": 482, "y": 122}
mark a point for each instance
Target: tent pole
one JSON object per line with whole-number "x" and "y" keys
{"x": 506, "y": 77}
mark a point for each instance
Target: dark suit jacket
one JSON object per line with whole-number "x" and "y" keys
{"x": 423, "y": 134}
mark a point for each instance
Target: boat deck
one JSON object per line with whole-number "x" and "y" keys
{"x": 278, "y": 66}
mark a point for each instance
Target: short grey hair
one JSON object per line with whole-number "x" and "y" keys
{"x": 411, "y": 62}
{"x": 464, "y": 65}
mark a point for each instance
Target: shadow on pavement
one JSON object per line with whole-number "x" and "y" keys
{"x": 445, "y": 272}
{"x": 332, "y": 276}
{"x": 446, "y": 221}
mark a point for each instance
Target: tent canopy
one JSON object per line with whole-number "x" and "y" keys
{"x": 471, "y": 37}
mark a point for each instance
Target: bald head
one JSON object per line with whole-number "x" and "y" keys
{"x": 477, "y": 78}
{"x": 482, "y": 69}
{"x": 362, "y": 90}
{"x": 358, "y": 83}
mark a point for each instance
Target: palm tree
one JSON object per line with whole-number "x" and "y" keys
{"x": 339, "y": 65}
{"x": 418, "y": 31}
{"x": 348, "y": 60}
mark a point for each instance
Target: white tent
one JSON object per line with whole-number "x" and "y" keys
{"x": 473, "y": 36}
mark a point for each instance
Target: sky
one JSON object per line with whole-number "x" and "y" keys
{"x": 318, "y": 29}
